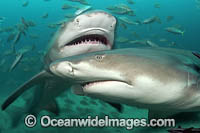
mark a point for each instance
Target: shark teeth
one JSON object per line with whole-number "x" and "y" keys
{"x": 88, "y": 84}
{"x": 89, "y": 39}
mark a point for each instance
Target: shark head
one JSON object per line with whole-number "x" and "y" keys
{"x": 89, "y": 32}
{"x": 96, "y": 73}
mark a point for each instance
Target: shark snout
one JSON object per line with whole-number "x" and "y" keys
{"x": 62, "y": 69}
{"x": 96, "y": 19}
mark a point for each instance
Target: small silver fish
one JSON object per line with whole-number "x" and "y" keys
{"x": 175, "y": 30}
{"x": 82, "y": 10}
{"x": 17, "y": 37}
{"x": 152, "y": 44}
{"x": 16, "y": 62}
{"x": 150, "y": 20}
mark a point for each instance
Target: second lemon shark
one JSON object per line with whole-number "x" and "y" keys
{"x": 164, "y": 81}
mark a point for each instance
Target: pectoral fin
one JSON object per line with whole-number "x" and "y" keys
{"x": 37, "y": 79}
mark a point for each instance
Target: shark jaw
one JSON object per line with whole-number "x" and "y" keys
{"x": 97, "y": 89}
{"x": 88, "y": 42}
{"x": 93, "y": 88}
{"x": 89, "y": 39}
{"x": 95, "y": 27}
{"x": 89, "y": 32}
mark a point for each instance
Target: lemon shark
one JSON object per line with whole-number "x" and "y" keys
{"x": 89, "y": 32}
{"x": 165, "y": 81}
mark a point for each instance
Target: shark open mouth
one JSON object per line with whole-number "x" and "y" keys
{"x": 89, "y": 39}
{"x": 88, "y": 84}
{"x": 93, "y": 83}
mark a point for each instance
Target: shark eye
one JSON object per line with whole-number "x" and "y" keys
{"x": 77, "y": 21}
{"x": 99, "y": 57}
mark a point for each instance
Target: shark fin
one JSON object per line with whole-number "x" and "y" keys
{"x": 159, "y": 114}
{"x": 117, "y": 106}
{"x": 52, "y": 107}
{"x": 37, "y": 79}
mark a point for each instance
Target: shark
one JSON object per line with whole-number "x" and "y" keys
{"x": 88, "y": 32}
{"x": 163, "y": 80}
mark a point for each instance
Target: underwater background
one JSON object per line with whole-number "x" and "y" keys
{"x": 45, "y": 16}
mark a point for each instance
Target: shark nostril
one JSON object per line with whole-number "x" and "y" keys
{"x": 67, "y": 68}
{"x": 71, "y": 67}
{"x": 113, "y": 24}
{"x": 53, "y": 67}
